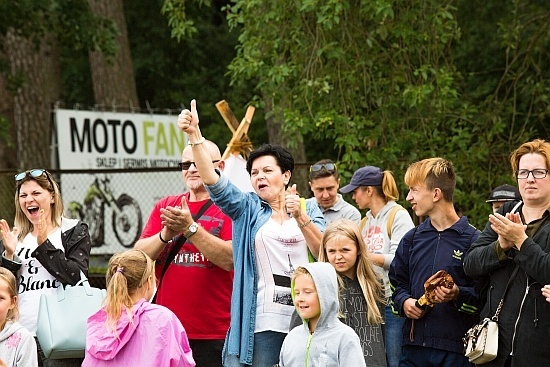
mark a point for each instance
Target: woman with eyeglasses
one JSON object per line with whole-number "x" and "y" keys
{"x": 44, "y": 249}
{"x": 272, "y": 235}
{"x": 511, "y": 258}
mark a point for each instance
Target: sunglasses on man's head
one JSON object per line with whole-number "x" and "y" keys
{"x": 318, "y": 167}
{"x": 184, "y": 166}
{"x": 34, "y": 173}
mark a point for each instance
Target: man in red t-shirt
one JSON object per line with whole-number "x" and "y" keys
{"x": 197, "y": 285}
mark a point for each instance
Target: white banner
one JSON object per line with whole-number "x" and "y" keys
{"x": 116, "y": 206}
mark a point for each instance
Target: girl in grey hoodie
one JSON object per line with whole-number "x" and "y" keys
{"x": 322, "y": 340}
{"x": 17, "y": 345}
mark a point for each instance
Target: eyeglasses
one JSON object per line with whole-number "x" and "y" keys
{"x": 34, "y": 173}
{"x": 318, "y": 167}
{"x": 184, "y": 166}
{"x": 537, "y": 173}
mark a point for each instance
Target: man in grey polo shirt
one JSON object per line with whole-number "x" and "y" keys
{"x": 324, "y": 182}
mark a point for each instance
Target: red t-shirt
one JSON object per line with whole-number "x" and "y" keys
{"x": 195, "y": 289}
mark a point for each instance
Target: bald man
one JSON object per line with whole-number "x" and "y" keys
{"x": 197, "y": 283}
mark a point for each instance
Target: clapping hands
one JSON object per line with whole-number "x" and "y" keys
{"x": 9, "y": 238}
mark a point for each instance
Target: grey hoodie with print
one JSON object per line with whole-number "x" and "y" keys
{"x": 17, "y": 346}
{"x": 333, "y": 343}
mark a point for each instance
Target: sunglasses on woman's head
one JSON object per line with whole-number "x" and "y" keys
{"x": 34, "y": 173}
{"x": 318, "y": 167}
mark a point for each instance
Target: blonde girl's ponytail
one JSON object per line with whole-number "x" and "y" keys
{"x": 126, "y": 274}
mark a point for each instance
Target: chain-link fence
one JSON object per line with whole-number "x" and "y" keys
{"x": 114, "y": 203}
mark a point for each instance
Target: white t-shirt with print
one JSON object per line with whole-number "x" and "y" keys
{"x": 280, "y": 249}
{"x": 35, "y": 279}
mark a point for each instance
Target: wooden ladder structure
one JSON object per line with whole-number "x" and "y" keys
{"x": 239, "y": 143}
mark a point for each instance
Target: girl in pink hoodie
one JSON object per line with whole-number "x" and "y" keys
{"x": 130, "y": 331}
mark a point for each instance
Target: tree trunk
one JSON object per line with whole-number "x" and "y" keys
{"x": 7, "y": 140}
{"x": 113, "y": 78}
{"x": 35, "y": 84}
{"x": 28, "y": 90}
{"x": 276, "y": 135}
{"x": 7, "y": 150}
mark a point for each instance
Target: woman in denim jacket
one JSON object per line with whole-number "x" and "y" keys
{"x": 272, "y": 235}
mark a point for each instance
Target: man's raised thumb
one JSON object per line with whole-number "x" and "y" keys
{"x": 194, "y": 112}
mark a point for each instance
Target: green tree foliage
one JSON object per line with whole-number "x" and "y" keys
{"x": 70, "y": 20}
{"x": 169, "y": 73}
{"x": 392, "y": 82}
{"x": 67, "y": 23}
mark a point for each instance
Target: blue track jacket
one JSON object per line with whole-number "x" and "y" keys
{"x": 420, "y": 254}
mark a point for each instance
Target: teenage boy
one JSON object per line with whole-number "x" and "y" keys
{"x": 433, "y": 336}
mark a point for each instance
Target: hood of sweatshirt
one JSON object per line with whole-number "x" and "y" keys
{"x": 326, "y": 283}
{"x": 105, "y": 345}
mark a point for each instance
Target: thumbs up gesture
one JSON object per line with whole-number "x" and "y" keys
{"x": 188, "y": 120}
{"x": 292, "y": 200}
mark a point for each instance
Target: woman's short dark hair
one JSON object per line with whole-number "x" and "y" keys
{"x": 282, "y": 156}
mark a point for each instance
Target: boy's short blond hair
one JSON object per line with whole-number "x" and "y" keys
{"x": 433, "y": 173}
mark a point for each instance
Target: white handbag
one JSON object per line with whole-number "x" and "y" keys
{"x": 62, "y": 317}
{"x": 481, "y": 342}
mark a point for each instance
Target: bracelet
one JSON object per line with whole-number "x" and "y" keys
{"x": 162, "y": 239}
{"x": 304, "y": 224}
{"x": 201, "y": 140}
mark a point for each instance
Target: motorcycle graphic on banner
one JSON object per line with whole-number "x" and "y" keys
{"x": 114, "y": 167}
{"x": 126, "y": 219}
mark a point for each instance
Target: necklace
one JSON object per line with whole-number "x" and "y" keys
{"x": 279, "y": 217}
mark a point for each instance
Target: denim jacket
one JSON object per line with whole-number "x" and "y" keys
{"x": 248, "y": 213}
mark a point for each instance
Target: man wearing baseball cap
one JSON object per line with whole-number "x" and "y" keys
{"x": 502, "y": 194}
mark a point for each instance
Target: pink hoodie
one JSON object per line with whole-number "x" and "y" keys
{"x": 154, "y": 337}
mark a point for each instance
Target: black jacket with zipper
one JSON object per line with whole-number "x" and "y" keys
{"x": 65, "y": 265}
{"x": 524, "y": 322}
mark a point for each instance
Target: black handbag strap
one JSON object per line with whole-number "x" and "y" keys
{"x": 499, "y": 307}
{"x": 180, "y": 240}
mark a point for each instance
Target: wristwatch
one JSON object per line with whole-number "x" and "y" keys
{"x": 191, "y": 230}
